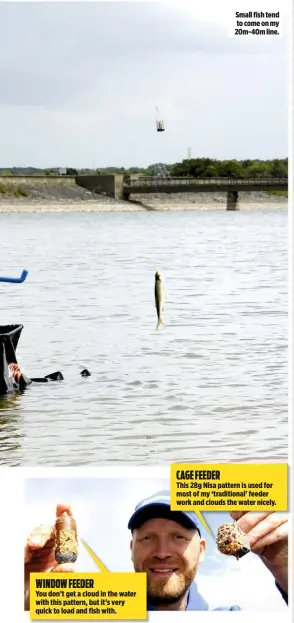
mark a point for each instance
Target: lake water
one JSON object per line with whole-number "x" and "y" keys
{"x": 209, "y": 386}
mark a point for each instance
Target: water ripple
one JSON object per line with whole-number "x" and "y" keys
{"x": 211, "y": 385}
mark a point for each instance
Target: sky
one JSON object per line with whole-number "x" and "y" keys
{"x": 102, "y": 507}
{"x": 80, "y": 83}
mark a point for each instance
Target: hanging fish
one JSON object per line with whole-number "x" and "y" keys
{"x": 159, "y": 297}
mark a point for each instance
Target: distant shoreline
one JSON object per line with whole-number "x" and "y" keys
{"x": 89, "y": 202}
{"x": 39, "y": 195}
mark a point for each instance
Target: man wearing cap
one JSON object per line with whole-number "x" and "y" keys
{"x": 167, "y": 545}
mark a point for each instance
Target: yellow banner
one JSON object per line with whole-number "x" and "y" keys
{"x": 88, "y": 596}
{"x": 229, "y": 487}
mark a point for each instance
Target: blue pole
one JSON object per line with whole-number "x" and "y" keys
{"x": 20, "y": 279}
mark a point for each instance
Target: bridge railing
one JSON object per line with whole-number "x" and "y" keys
{"x": 182, "y": 181}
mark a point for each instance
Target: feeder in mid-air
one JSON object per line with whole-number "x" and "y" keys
{"x": 159, "y": 122}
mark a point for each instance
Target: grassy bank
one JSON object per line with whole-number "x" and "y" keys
{"x": 278, "y": 193}
{"x": 12, "y": 190}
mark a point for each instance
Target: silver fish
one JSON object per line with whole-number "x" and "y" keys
{"x": 159, "y": 297}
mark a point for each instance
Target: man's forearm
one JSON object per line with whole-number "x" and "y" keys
{"x": 280, "y": 574}
{"x": 27, "y": 592}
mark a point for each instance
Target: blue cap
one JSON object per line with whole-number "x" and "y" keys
{"x": 158, "y": 506}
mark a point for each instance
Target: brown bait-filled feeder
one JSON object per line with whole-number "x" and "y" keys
{"x": 232, "y": 541}
{"x": 66, "y": 540}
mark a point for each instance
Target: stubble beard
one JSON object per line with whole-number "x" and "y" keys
{"x": 168, "y": 592}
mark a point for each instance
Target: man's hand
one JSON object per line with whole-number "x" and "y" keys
{"x": 268, "y": 538}
{"x": 39, "y": 553}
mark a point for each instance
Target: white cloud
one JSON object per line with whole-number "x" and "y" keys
{"x": 223, "y": 12}
{"x": 80, "y": 83}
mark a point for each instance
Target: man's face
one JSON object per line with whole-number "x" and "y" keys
{"x": 170, "y": 555}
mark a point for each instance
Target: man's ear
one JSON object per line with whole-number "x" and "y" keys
{"x": 131, "y": 548}
{"x": 202, "y": 550}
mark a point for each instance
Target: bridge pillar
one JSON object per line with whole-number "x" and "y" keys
{"x": 232, "y": 200}
{"x": 110, "y": 185}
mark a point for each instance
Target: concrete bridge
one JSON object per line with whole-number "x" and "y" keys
{"x": 193, "y": 185}
{"x": 121, "y": 187}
